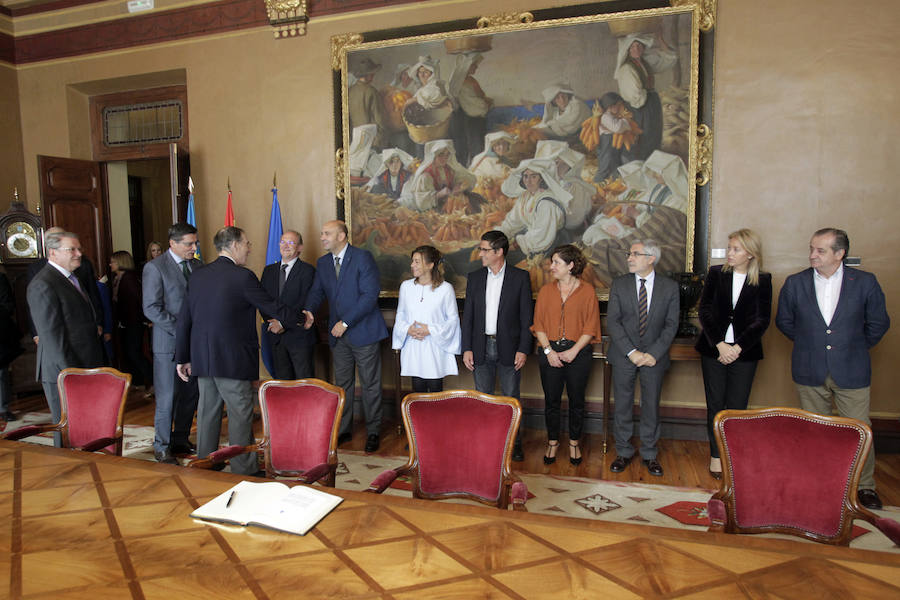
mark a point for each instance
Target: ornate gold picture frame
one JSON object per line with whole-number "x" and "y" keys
{"x": 578, "y": 130}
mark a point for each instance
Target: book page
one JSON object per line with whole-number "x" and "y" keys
{"x": 247, "y": 500}
{"x": 298, "y": 511}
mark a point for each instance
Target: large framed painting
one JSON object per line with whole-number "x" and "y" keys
{"x": 578, "y": 130}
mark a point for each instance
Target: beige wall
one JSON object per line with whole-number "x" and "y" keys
{"x": 12, "y": 165}
{"x": 805, "y": 115}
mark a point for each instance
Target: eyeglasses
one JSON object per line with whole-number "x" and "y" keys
{"x": 288, "y": 243}
{"x": 69, "y": 249}
{"x": 189, "y": 244}
{"x": 480, "y": 249}
{"x": 636, "y": 254}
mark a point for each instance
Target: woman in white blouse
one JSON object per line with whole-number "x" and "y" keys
{"x": 734, "y": 311}
{"x": 426, "y": 330}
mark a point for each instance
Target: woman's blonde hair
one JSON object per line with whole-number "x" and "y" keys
{"x": 750, "y": 241}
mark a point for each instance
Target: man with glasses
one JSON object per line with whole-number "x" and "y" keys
{"x": 165, "y": 281}
{"x": 289, "y": 280}
{"x": 496, "y": 324}
{"x": 642, "y": 318}
{"x": 64, "y": 318}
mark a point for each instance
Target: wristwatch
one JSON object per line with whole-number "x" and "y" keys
{"x": 344, "y": 323}
{"x": 548, "y": 350}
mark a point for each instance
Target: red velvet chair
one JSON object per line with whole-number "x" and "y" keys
{"x": 92, "y": 403}
{"x": 300, "y": 430}
{"x": 459, "y": 446}
{"x": 786, "y": 470}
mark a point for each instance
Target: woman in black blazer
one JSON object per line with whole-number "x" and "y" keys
{"x": 735, "y": 309}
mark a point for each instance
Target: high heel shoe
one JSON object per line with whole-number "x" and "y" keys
{"x": 573, "y": 448}
{"x": 552, "y": 446}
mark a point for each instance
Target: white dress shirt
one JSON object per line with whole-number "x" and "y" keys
{"x": 492, "y": 299}
{"x": 737, "y": 284}
{"x": 828, "y": 292}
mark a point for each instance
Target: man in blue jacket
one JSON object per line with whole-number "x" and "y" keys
{"x": 348, "y": 277}
{"x": 834, "y": 314}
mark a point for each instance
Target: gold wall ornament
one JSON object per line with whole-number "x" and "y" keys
{"x": 340, "y": 171}
{"x": 505, "y": 18}
{"x": 287, "y": 17}
{"x": 339, "y": 43}
{"x": 704, "y": 154}
{"x": 707, "y": 11}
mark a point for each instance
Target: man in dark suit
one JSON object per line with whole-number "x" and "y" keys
{"x": 165, "y": 282}
{"x": 834, "y": 315}
{"x": 290, "y": 280}
{"x": 216, "y": 341}
{"x": 348, "y": 277}
{"x": 496, "y": 324}
{"x": 63, "y": 317}
{"x": 87, "y": 278}
{"x": 642, "y": 319}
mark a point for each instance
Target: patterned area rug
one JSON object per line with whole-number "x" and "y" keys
{"x": 638, "y": 503}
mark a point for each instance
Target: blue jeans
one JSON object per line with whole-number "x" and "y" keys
{"x": 486, "y": 373}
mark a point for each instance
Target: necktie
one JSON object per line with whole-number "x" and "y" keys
{"x": 282, "y": 277}
{"x": 642, "y": 308}
{"x": 186, "y": 270}
{"x": 337, "y": 266}
{"x": 77, "y": 285}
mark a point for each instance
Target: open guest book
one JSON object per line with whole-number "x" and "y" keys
{"x": 272, "y": 504}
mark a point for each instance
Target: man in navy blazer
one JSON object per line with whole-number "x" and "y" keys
{"x": 290, "y": 280}
{"x": 348, "y": 277}
{"x": 496, "y": 323}
{"x": 834, "y": 314}
{"x": 216, "y": 341}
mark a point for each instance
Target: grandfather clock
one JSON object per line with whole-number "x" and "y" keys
{"x": 21, "y": 235}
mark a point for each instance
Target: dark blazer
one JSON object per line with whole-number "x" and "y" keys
{"x": 622, "y": 320}
{"x": 514, "y": 315}
{"x": 127, "y": 306}
{"x": 750, "y": 316}
{"x": 86, "y": 277}
{"x": 216, "y": 328}
{"x": 296, "y": 289}
{"x": 840, "y": 348}
{"x": 352, "y": 298}
{"x": 66, "y": 323}
{"x": 164, "y": 291}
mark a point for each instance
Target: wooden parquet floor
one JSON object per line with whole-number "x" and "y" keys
{"x": 685, "y": 462}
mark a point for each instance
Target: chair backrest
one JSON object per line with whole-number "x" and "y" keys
{"x": 790, "y": 471}
{"x": 460, "y": 441}
{"x": 92, "y": 403}
{"x": 300, "y": 423}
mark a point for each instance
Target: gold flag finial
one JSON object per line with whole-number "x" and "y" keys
{"x": 229, "y": 183}
{"x": 275, "y": 179}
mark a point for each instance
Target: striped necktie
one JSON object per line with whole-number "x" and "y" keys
{"x": 186, "y": 270}
{"x": 337, "y": 267}
{"x": 642, "y": 308}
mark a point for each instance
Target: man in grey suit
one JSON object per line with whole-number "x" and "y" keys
{"x": 63, "y": 318}
{"x": 642, "y": 318}
{"x": 165, "y": 281}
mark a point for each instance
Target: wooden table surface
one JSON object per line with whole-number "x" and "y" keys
{"x": 78, "y": 525}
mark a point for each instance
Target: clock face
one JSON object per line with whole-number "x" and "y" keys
{"x": 21, "y": 240}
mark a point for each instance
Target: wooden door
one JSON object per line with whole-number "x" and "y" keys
{"x": 179, "y": 172}
{"x": 73, "y": 196}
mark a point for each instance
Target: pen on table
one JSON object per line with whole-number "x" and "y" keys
{"x": 230, "y": 498}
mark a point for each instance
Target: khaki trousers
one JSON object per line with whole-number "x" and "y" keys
{"x": 853, "y": 403}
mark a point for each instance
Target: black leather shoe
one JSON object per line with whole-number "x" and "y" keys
{"x": 165, "y": 458}
{"x": 654, "y": 467}
{"x": 187, "y": 448}
{"x": 518, "y": 455}
{"x": 620, "y": 463}
{"x": 343, "y": 438}
{"x": 372, "y": 443}
{"x": 869, "y": 499}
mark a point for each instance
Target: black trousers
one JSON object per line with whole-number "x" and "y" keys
{"x": 131, "y": 339}
{"x": 727, "y": 387}
{"x": 293, "y": 361}
{"x": 573, "y": 377}
{"x": 420, "y": 385}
